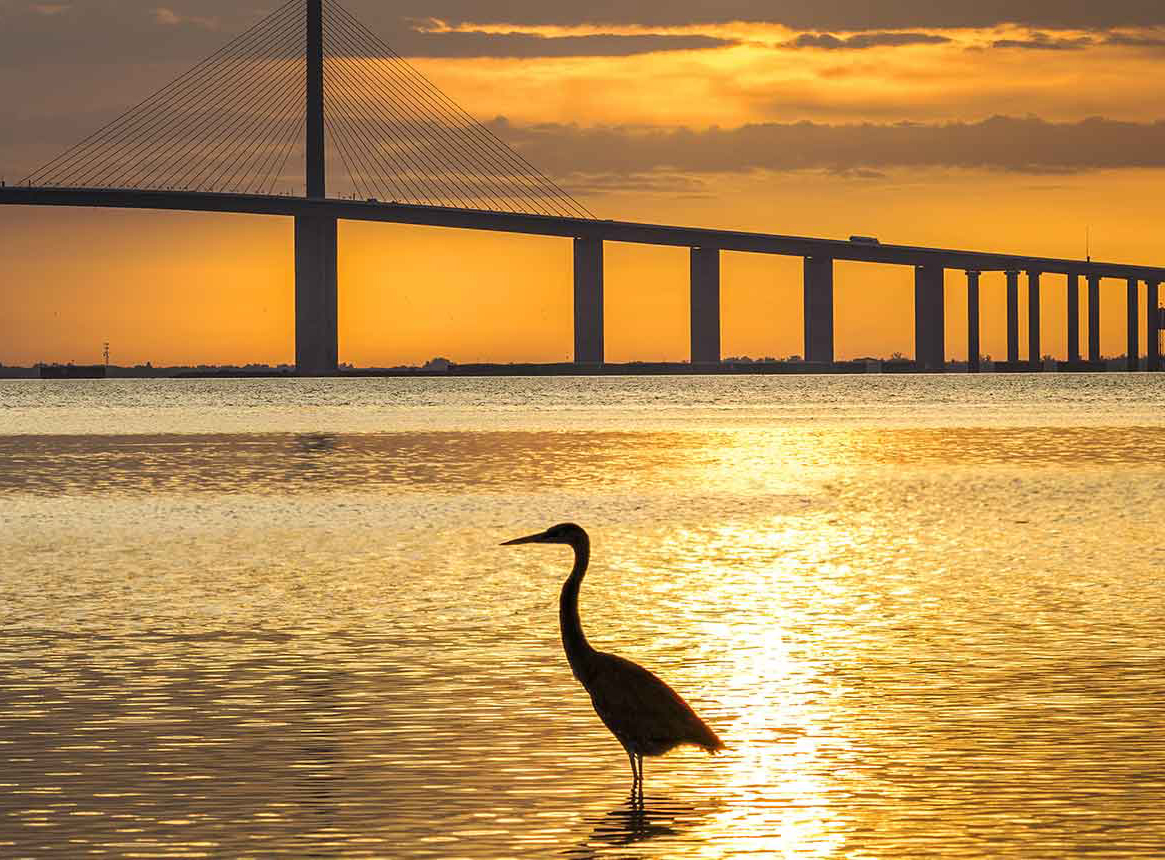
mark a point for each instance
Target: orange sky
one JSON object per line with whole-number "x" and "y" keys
{"x": 176, "y": 288}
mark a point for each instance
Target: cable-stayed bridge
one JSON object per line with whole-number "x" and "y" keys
{"x": 309, "y": 92}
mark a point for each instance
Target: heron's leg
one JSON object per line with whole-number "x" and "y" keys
{"x": 634, "y": 773}
{"x": 640, "y": 757}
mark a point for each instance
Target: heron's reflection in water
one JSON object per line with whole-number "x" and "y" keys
{"x": 316, "y": 443}
{"x": 638, "y": 821}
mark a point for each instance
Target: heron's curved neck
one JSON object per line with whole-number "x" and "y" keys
{"x": 578, "y": 650}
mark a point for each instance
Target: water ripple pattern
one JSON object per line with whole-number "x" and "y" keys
{"x": 271, "y": 619}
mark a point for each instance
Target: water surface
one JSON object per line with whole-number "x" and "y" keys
{"x": 270, "y": 618}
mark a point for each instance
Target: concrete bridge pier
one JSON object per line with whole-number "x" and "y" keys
{"x": 973, "y": 322}
{"x": 1133, "y": 353}
{"x": 1154, "y": 327}
{"x": 1073, "y": 318}
{"x": 818, "y": 308}
{"x": 1013, "y": 318}
{"x": 1094, "y": 317}
{"x": 316, "y": 328}
{"x": 929, "y": 318}
{"x": 588, "y": 301}
{"x": 705, "y": 306}
{"x": 1033, "y": 321}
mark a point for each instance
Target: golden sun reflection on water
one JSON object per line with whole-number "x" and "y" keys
{"x": 778, "y": 722}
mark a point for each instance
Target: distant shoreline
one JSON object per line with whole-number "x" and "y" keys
{"x": 725, "y": 368}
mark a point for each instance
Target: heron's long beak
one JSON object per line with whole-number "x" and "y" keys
{"x": 538, "y": 538}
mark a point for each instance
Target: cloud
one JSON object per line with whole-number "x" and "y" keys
{"x": 1136, "y": 40}
{"x": 683, "y": 160}
{"x": 433, "y": 38}
{"x": 822, "y": 16}
{"x": 864, "y": 41}
{"x": 169, "y": 18}
{"x": 857, "y": 173}
{"x": 529, "y": 45}
{"x": 860, "y": 150}
{"x": 98, "y": 30}
{"x": 116, "y": 31}
{"x": 660, "y": 182}
{"x": 1044, "y": 42}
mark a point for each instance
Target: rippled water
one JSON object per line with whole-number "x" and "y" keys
{"x": 270, "y": 618}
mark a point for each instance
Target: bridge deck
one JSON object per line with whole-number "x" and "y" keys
{"x": 543, "y": 225}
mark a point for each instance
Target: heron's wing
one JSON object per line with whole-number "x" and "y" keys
{"x": 637, "y": 706}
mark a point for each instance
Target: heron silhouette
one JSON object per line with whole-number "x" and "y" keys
{"x": 644, "y": 714}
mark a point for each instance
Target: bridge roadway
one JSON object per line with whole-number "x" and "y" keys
{"x": 316, "y": 334}
{"x": 543, "y": 225}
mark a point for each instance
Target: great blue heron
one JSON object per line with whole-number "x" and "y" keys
{"x": 646, "y": 715}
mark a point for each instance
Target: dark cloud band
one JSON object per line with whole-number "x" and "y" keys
{"x": 821, "y": 16}
{"x": 529, "y": 46}
{"x": 864, "y": 41}
{"x": 1001, "y": 143}
{"x": 104, "y": 31}
{"x": 1044, "y": 42}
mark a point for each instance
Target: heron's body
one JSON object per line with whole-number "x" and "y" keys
{"x": 647, "y": 716}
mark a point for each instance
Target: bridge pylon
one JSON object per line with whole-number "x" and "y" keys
{"x": 317, "y": 333}
{"x": 317, "y": 338}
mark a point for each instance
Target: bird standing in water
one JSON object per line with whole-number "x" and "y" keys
{"x": 647, "y": 716}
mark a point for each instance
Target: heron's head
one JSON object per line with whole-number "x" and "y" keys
{"x": 567, "y": 533}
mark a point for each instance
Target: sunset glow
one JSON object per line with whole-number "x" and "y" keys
{"x": 772, "y": 125}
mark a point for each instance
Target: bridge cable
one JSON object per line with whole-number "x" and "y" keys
{"x": 418, "y": 91}
{"x": 295, "y": 128}
{"x": 146, "y": 123}
{"x": 239, "y": 136}
{"x": 199, "y": 152}
{"x": 367, "y": 173}
{"x": 355, "y": 148}
{"x": 400, "y": 164}
{"x": 459, "y": 154}
{"x": 484, "y": 132}
{"x": 174, "y": 147}
{"x": 196, "y": 152}
{"x": 342, "y": 148}
{"x": 170, "y": 124}
{"x": 184, "y": 145}
{"x": 418, "y": 167}
{"x": 417, "y": 97}
{"x": 271, "y": 145}
{"x": 160, "y": 94}
{"x": 343, "y": 132}
{"x": 258, "y": 131}
{"x": 289, "y": 125}
{"x": 466, "y": 196}
{"x": 414, "y": 155}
